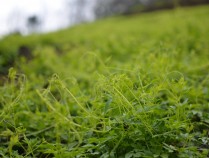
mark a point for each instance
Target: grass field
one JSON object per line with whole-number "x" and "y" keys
{"x": 123, "y": 87}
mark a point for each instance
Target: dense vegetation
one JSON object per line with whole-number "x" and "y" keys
{"x": 134, "y": 86}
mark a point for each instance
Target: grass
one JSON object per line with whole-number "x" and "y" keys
{"x": 134, "y": 86}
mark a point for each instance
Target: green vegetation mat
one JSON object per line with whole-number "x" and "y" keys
{"x": 135, "y": 86}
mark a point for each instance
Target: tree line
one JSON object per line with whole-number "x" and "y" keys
{"x": 78, "y": 11}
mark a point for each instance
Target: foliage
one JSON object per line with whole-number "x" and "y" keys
{"x": 126, "y": 7}
{"x": 121, "y": 87}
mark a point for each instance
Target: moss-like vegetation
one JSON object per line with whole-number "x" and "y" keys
{"x": 134, "y": 86}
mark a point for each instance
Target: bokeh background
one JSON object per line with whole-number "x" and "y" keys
{"x": 24, "y": 16}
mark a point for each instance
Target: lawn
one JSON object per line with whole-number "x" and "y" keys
{"x": 122, "y": 87}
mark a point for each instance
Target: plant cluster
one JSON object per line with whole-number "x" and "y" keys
{"x": 120, "y": 87}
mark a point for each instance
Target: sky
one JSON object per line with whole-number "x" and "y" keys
{"x": 54, "y": 14}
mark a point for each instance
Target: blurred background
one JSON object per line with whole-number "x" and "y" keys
{"x": 37, "y": 16}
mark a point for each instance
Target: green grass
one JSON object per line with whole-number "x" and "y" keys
{"x": 135, "y": 86}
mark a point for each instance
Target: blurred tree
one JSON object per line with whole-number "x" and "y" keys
{"x": 176, "y": 3}
{"x": 80, "y": 7}
{"x": 111, "y": 7}
{"x": 80, "y": 10}
{"x": 33, "y": 23}
{"x": 75, "y": 9}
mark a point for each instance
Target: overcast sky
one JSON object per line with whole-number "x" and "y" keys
{"x": 13, "y": 13}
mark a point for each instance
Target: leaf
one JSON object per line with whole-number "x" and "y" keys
{"x": 129, "y": 155}
{"x": 13, "y": 141}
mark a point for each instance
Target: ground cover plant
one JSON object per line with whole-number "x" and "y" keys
{"x": 135, "y": 86}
